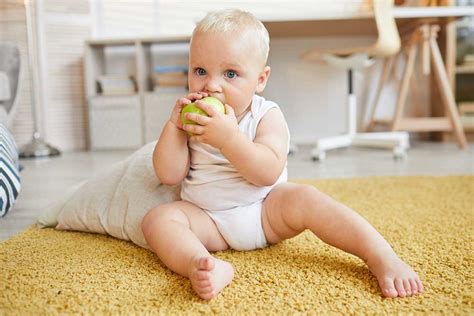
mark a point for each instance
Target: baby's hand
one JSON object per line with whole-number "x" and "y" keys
{"x": 176, "y": 113}
{"x": 216, "y": 129}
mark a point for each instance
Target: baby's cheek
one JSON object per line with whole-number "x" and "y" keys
{"x": 194, "y": 86}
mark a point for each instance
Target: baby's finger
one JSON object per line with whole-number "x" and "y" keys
{"x": 197, "y": 138}
{"x": 209, "y": 109}
{"x": 198, "y": 118}
{"x": 179, "y": 124}
{"x": 194, "y": 129}
{"x": 194, "y": 96}
{"x": 183, "y": 101}
{"x": 197, "y": 95}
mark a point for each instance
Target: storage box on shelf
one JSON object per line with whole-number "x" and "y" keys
{"x": 169, "y": 76}
{"x": 114, "y": 122}
{"x": 125, "y": 109}
{"x": 168, "y": 86}
{"x": 116, "y": 84}
{"x": 158, "y": 106}
{"x": 163, "y": 65}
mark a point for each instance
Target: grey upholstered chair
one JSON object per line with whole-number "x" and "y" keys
{"x": 10, "y": 73}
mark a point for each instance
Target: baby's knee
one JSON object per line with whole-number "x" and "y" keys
{"x": 159, "y": 216}
{"x": 148, "y": 220}
{"x": 306, "y": 193}
{"x": 153, "y": 218}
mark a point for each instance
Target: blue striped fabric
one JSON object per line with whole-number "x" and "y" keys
{"x": 9, "y": 171}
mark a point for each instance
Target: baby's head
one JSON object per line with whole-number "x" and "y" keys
{"x": 236, "y": 22}
{"x": 228, "y": 55}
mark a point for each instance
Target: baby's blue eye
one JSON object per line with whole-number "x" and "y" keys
{"x": 200, "y": 72}
{"x": 230, "y": 74}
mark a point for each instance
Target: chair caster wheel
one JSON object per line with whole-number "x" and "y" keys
{"x": 318, "y": 156}
{"x": 399, "y": 153}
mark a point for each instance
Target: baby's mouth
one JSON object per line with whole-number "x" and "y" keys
{"x": 218, "y": 98}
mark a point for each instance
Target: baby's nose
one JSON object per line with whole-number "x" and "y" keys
{"x": 213, "y": 85}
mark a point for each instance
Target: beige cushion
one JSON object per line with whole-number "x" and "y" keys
{"x": 113, "y": 202}
{"x": 3, "y": 115}
{"x": 5, "y": 93}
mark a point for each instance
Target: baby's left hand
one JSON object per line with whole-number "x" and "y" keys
{"x": 216, "y": 129}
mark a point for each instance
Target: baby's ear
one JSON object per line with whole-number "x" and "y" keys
{"x": 263, "y": 78}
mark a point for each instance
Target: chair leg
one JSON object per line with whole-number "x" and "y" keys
{"x": 345, "y": 140}
{"x": 399, "y": 142}
{"x": 351, "y": 104}
{"x": 415, "y": 96}
{"x": 387, "y": 69}
{"x": 395, "y": 74}
{"x": 404, "y": 87}
{"x": 446, "y": 93}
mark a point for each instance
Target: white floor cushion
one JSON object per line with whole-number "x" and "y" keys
{"x": 113, "y": 202}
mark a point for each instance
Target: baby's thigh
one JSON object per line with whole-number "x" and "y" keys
{"x": 282, "y": 214}
{"x": 190, "y": 216}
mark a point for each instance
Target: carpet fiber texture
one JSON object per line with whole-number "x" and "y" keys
{"x": 427, "y": 220}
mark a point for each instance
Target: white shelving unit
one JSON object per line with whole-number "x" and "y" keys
{"x": 131, "y": 120}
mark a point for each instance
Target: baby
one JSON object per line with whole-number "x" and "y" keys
{"x": 233, "y": 172}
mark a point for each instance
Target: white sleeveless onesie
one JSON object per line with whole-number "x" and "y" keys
{"x": 214, "y": 185}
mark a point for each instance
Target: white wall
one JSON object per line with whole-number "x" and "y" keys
{"x": 13, "y": 29}
{"x": 125, "y": 18}
{"x": 61, "y": 27}
{"x": 312, "y": 95}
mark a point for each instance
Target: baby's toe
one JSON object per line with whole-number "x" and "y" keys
{"x": 207, "y": 289}
{"x": 420, "y": 285}
{"x": 203, "y": 284}
{"x": 414, "y": 286}
{"x": 400, "y": 288}
{"x": 407, "y": 287}
{"x": 207, "y": 293}
{"x": 201, "y": 275}
{"x": 206, "y": 263}
{"x": 388, "y": 288}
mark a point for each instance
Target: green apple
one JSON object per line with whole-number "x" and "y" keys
{"x": 193, "y": 108}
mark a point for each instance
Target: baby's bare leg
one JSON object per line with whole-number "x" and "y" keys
{"x": 181, "y": 234}
{"x": 291, "y": 208}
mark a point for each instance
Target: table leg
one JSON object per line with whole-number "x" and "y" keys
{"x": 446, "y": 92}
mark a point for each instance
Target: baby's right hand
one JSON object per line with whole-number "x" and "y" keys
{"x": 176, "y": 113}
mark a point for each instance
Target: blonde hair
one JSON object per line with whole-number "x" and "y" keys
{"x": 235, "y": 20}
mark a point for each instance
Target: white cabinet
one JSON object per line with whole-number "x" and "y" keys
{"x": 115, "y": 122}
{"x": 157, "y": 110}
{"x": 129, "y": 121}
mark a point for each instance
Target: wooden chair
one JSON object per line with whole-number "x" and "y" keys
{"x": 387, "y": 44}
{"x": 10, "y": 81}
{"x": 415, "y": 38}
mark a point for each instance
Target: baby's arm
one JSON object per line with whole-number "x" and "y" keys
{"x": 171, "y": 154}
{"x": 261, "y": 161}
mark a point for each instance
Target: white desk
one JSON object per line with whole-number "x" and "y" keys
{"x": 349, "y": 18}
{"x": 311, "y": 23}
{"x": 432, "y": 12}
{"x": 335, "y": 21}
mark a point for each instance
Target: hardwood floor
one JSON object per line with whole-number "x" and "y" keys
{"x": 44, "y": 180}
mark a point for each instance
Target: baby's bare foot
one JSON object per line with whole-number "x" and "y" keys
{"x": 395, "y": 277}
{"x": 209, "y": 276}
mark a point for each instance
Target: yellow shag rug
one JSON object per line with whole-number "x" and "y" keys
{"x": 428, "y": 221}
